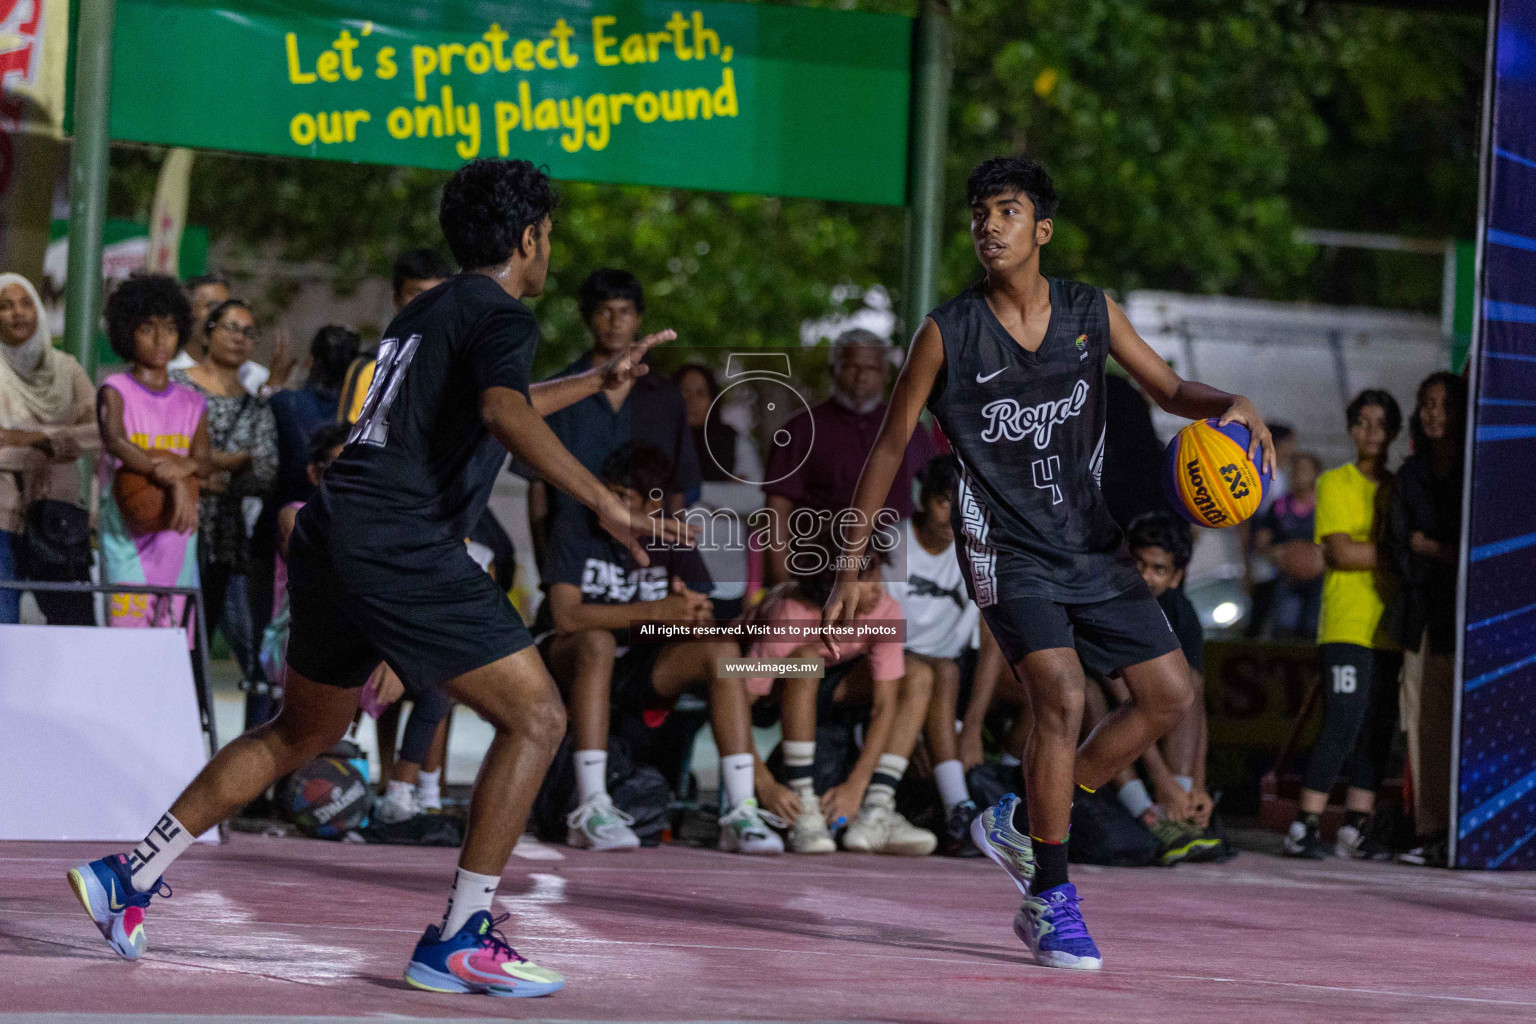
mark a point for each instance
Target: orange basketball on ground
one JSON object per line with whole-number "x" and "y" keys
{"x": 145, "y": 505}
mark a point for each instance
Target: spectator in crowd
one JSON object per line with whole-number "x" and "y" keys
{"x": 830, "y": 442}
{"x": 152, "y": 426}
{"x": 941, "y": 623}
{"x": 1161, "y": 544}
{"x": 47, "y": 422}
{"x": 1423, "y": 538}
{"x": 1283, "y": 536}
{"x": 205, "y": 292}
{"x": 869, "y": 672}
{"x": 725, "y": 454}
{"x": 1261, "y": 575}
{"x": 415, "y": 271}
{"x": 646, "y": 411}
{"x": 1359, "y": 662}
{"x": 243, "y": 457}
{"x": 597, "y": 593}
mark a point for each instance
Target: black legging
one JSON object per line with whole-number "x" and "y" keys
{"x": 428, "y": 708}
{"x": 1360, "y": 718}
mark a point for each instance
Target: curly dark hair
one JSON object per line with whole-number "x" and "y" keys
{"x": 331, "y": 353}
{"x": 610, "y": 283}
{"x": 326, "y": 437}
{"x": 1455, "y": 407}
{"x": 488, "y": 204}
{"x": 1013, "y": 174}
{"x": 142, "y": 297}
{"x": 1161, "y": 530}
{"x": 1391, "y": 411}
{"x": 419, "y": 265}
{"x": 640, "y": 467}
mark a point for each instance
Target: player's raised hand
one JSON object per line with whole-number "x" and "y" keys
{"x": 1242, "y": 411}
{"x": 630, "y": 364}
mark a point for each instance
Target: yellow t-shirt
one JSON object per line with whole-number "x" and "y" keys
{"x": 1352, "y": 604}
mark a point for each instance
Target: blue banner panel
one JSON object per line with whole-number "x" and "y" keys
{"x": 1496, "y": 779}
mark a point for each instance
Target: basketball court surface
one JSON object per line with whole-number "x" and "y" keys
{"x": 284, "y": 929}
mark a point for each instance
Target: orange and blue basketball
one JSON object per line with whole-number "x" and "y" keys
{"x": 1209, "y": 478}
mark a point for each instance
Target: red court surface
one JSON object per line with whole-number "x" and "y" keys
{"x": 287, "y": 928}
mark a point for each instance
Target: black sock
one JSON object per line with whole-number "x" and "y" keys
{"x": 1050, "y": 865}
{"x": 1314, "y": 822}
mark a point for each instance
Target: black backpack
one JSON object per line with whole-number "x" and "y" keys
{"x": 636, "y": 789}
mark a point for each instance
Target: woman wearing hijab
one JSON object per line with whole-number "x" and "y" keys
{"x": 47, "y": 422}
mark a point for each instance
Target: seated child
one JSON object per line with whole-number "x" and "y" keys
{"x": 596, "y": 593}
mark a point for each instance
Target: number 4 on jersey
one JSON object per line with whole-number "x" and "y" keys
{"x": 372, "y": 425}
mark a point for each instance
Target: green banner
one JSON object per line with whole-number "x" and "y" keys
{"x": 719, "y": 96}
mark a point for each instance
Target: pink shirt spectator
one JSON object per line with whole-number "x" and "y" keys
{"x": 885, "y": 657}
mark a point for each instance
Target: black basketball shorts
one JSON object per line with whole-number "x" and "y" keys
{"x": 1127, "y": 629}
{"x": 429, "y": 628}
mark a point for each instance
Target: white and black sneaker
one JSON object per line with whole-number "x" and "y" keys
{"x": 1303, "y": 843}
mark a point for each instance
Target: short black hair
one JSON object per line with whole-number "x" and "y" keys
{"x": 331, "y": 353}
{"x": 142, "y": 297}
{"x": 640, "y": 467}
{"x": 488, "y": 204}
{"x": 419, "y": 265}
{"x": 710, "y": 380}
{"x": 217, "y": 312}
{"x": 326, "y": 437}
{"x": 1279, "y": 433}
{"x": 1161, "y": 530}
{"x": 610, "y": 283}
{"x": 1013, "y": 174}
{"x": 1391, "y": 411}
{"x": 937, "y": 479}
{"x": 192, "y": 284}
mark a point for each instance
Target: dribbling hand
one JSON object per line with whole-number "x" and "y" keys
{"x": 1242, "y": 411}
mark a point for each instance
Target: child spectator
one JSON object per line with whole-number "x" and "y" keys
{"x": 1359, "y": 662}
{"x": 941, "y": 624}
{"x": 153, "y": 426}
{"x": 596, "y": 593}
{"x": 1283, "y": 536}
{"x": 868, "y": 671}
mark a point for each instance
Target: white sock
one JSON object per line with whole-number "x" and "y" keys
{"x": 1135, "y": 798}
{"x": 470, "y": 894}
{"x": 950, "y": 778}
{"x": 429, "y": 789}
{"x": 1186, "y": 782}
{"x": 168, "y": 840}
{"x": 882, "y": 785}
{"x": 591, "y": 774}
{"x": 799, "y": 758}
{"x": 397, "y": 790}
{"x": 736, "y": 778}
{"x": 1009, "y": 761}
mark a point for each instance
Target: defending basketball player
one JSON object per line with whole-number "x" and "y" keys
{"x": 1013, "y": 369}
{"x": 378, "y": 571}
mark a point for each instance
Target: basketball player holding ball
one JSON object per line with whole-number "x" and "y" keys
{"x": 378, "y": 571}
{"x": 1013, "y": 370}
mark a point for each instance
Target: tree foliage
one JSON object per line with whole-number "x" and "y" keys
{"x": 1189, "y": 139}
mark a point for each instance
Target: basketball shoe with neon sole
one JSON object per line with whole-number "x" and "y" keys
{"x": 994, "y": 835}
{"x": 1052, "y": 926}
{"x": 477, "y": 960}
{"x": 105, "y": 889}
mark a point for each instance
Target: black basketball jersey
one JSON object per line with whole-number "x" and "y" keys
{"x": 1028, "y": 429}
{"x": 419, "y": 465}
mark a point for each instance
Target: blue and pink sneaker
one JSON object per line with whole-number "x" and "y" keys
{"x": 478, "y": 960}
{"x": 994, "y": 835}
{"x": 105, "y": 889}
{"x": 1051, "y": 925}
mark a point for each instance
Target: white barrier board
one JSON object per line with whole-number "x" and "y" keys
{"x": 99, "y": 730}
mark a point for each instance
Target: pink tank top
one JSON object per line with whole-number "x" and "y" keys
{"x": 154, "y": 420}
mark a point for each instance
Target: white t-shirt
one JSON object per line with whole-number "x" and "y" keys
{"x": 941, "y": 617}
{"x": 252, "y": 375}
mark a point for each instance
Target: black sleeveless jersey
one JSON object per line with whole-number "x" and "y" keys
{"x": 1028, "y": 428}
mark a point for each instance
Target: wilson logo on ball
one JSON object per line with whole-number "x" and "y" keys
{"x": 1209, "y": 479}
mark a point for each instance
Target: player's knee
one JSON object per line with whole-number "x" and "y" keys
{"x": 1058, "y": 707}
{"x": 544, "y": 719}
{"x": 1173, "y": 699}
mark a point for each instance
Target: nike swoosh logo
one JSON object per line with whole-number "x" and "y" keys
{"x": 112, "y": 897}
{"x": 982, "y": 380}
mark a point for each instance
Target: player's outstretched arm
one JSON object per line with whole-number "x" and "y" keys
{"x": 553, "y": 395}
{"x": 1186, "y": 398}
{"x": 522, "y": 431}
{"x": 913, "y": 386}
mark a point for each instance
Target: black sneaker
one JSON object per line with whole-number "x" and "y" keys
{"x": 1304, "y": 843}
{"x": 1361, "y": 843}
{"x": 956, "y": 841}
{"x": 1433, "y": 852}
